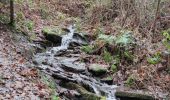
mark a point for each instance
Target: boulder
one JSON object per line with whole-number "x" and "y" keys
{"x": 79, "y": 39}
{"x": 54, "y": 34}
{"x": 73, "y": 65}
{"x": 86, "y": 95}
{"x": 127, "y": 95}
{"x": 108, "y": 80}
{"x": 98, "y": 69}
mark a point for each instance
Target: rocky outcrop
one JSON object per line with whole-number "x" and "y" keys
{"x": 86, "y": 95}
{"x": 127, "y": 95}
{"x": 54, "y": 34}
{"x": 98, "y": 69}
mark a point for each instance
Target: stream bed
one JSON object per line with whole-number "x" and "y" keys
{"x": 57, "y": 63}
{"x": 73, "y": 77}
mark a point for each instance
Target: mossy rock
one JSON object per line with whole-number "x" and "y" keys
{"x": 98, "y": 69}
{"x": 54, "y": 34}
{"x": 108, "y": 80}
{"x": 127, "y": 95}
{"x": 86, "y": 95}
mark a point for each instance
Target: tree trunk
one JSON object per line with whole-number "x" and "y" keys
{"x": 11, "y": 12}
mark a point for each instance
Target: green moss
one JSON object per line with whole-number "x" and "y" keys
{"x": 53, "y": 30}
{"x": 98, "y": 69}
{"x": 85, "y": 94}
{"x": 133, "y": 96}
{"x": 114, "y": 68}
{"x": 49, "y": 81}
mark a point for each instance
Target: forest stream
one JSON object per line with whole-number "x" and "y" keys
{"x": 61, "y": 63}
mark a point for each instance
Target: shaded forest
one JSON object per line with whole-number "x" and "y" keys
{"x": 85, "y": 49}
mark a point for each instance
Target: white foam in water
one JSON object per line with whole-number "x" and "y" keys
{"x": 66, "y": 39}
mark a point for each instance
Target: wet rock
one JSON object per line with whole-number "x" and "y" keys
{"x": 108, "y": 80}
{"x": 72, "y": 65}
{"x": 86, "y": 95}
{"x": 40, "y": 58}
{"x": 127, "y": 95}
{"x": 53, "y": 34}
{"x": 79, "y": 39}
{"x": 98, "y": 69}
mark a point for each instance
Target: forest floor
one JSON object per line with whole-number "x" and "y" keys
{"x": 148, "y": 70}
{"x": 17, "y": 80}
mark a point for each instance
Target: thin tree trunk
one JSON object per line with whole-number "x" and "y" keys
{"x": 156, "y": 15}
{"x": 11, "y": 12}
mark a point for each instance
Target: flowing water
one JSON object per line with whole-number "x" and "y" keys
{"x": 98, "y": 87}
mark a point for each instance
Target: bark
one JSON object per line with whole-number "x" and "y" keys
{"x": 11, "y": 12}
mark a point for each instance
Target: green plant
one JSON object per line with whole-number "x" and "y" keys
{"x": 29, "y": 25}
{"x": 20, "y": 16}
{"x": 114, "y": 68}
{"x": 51, "y": 84}
{"x": 107, "y": 57}
{"x": 106, "y": 38}
{"x": 156, "y": 58}
{"x": 130, "y": 81}
{"x": 128, "y": 55}
{"x": 124, "y": 39}
{"x": 44, "y": 10}
{"x": 87, "y": 49}
{"x": 116, "y": 59}
{"x": 3, "y": 18}
{"x": 54, "y": 97}
{"x": 166, "y": 40}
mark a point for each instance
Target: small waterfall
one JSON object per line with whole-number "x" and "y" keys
{"x": 66, "y": 39}
{"x": 99, "y": 88}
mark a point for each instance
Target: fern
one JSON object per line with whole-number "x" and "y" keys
{"x": 155, "y": 59}
{"x": 106, "y": 38}
{"x": 166, "y": 40}
{"x": 124, "y": 39}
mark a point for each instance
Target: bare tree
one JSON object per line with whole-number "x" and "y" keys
{"x": 11, "y": 12}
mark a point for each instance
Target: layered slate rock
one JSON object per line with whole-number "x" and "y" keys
{"x": 73, "y": 65}
{"x": 85, "y": 95}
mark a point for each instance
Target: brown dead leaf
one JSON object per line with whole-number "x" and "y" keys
{"x": 29, "y": 72}
{"x": 21, "y": 61}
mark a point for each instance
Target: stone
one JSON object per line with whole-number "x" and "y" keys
{"x": 127, "y": 95}
{"x": 72, "y": 65}
{"x": 79, "y": 39}
{"x": 108, "y": 80}
{"x": 86, "y": 95}
{"x": 53, "y": 34}
{"x": 98, "y": 69}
